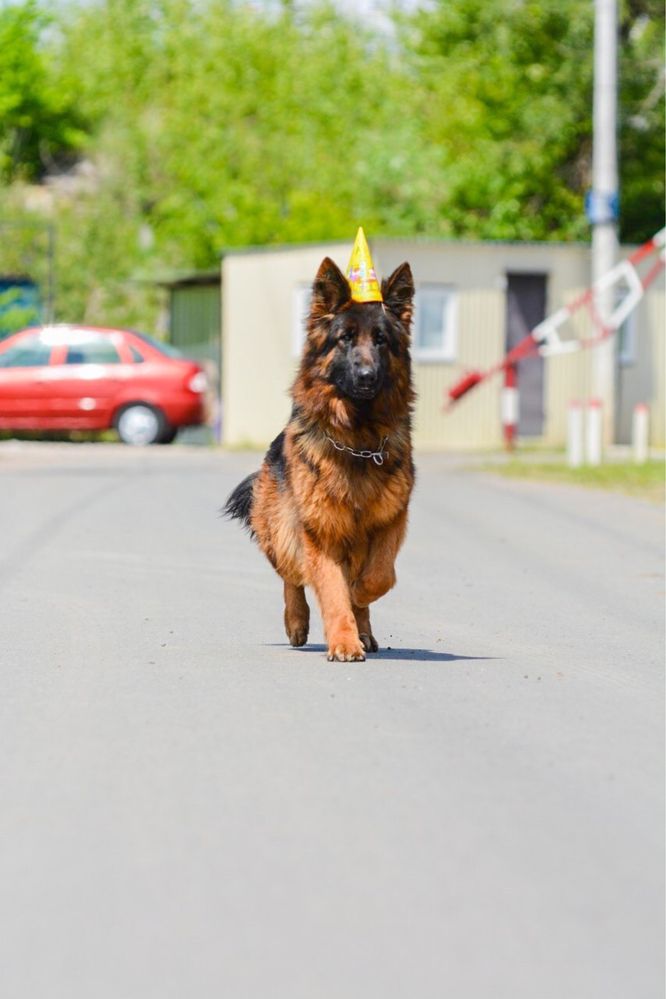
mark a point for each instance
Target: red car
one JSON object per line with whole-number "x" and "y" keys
{"x": 83, "y": 378}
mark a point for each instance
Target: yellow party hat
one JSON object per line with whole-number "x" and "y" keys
{"x": 361, "y": 272}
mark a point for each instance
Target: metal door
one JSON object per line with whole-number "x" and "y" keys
{"x": 525, "y": 308}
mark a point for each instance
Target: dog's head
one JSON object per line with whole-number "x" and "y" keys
{"x": 354, "y": 346}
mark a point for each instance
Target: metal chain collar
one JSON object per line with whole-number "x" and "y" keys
{"x": 377, "y": 456}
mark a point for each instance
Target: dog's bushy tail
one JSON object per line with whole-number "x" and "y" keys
{"x": 239, "y": 503}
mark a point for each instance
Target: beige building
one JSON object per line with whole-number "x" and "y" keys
{"x": 473, "y": 300}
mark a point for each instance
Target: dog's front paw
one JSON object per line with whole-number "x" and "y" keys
{"x": 369, "y": 642}
{"x": 298, "y": 635}
{"x": 346, "y": 652}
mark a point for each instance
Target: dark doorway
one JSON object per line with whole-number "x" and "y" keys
{"x": 525, "y": 308}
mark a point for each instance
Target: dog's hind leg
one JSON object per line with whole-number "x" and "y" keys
{"x": 362, "y": 615}
{"x": 296, "y": 614}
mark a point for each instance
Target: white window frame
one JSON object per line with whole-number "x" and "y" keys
{"x": 447, "y": 352}
{"x": 300, "y": 307}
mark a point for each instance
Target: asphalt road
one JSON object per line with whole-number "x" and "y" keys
{"x": 190, "y": 809}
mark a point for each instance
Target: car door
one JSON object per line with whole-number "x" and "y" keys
{"x": 84, "y": 379}
{"x": 24, "y": 360}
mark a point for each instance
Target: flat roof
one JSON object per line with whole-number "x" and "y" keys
{"x": 433, "y": 241}
{"x": 189, "y": 279}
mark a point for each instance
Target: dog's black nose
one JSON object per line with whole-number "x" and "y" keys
{"x": 366, "y": 377}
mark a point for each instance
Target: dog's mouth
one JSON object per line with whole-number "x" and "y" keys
{"x": 363, "y": 389}
{"x": 361, "y": 392}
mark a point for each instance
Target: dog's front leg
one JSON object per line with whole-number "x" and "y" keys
{"x": 368, "y": 640}
{"x": 328, "y": 580}
{"x": 377, "y": 575}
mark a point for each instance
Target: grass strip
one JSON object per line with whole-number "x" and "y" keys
{"x": 647, "y": 481}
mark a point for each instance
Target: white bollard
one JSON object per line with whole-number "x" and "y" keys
{"x": 575, "y": 435}
{"x": 640, "y": 433}
{"x": 510, "y": 404}
{"x": 594, "y": 432}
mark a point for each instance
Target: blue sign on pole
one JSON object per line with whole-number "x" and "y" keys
{"x": 602, "y": 207}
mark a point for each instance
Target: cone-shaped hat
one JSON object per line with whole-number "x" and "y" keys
{"x": 361, "y": 272}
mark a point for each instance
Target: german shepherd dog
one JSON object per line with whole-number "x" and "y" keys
{"x": 329, "y": 505}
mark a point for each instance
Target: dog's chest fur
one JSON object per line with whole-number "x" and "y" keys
{"x": 343, "y": 497}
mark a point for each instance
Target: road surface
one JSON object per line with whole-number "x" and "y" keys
{"x": 190, "y": 808}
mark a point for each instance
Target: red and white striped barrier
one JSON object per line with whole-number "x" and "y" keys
{"x": 544, "y": 339}
{"x": 510, "y": 406}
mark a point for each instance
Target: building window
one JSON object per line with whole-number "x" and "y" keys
{"x": 435, "y": 323}
{"x": 299, "y": 313}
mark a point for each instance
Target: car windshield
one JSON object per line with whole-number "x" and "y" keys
{"x": 164, "y": 348}
{"x": 28, "y": 352}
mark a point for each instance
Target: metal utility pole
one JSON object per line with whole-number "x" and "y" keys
{"x": 50, "y": 279}
{"x": 603, "y": 199}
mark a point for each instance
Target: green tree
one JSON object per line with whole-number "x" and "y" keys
{"x": 508, "y": 100}
{"x": 212, "y": 123}
{"x": 642, "y": 125}
{"x": 39, "y": 127}
{"x": 236, "y": 125}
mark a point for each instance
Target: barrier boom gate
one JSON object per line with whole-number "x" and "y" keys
{"x": 545, "y": 340}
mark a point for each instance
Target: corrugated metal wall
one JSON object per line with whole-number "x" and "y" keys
{"x": 643, "y": 379}
{"x": 474, "y": 423}
{"x": 569, "y": 377}
{"x": 195, "y": 321}
{"x": 655, "y": 306}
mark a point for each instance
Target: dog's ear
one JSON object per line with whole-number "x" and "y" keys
{"x": 330, "y": 290}
{"x": 398, "y": 293}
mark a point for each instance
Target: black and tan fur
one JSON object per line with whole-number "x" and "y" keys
{"x": 323, "y": 517}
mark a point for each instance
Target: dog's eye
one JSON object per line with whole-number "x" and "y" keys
{"x": 379, "y": 337}
{"x": 346, "y": 338}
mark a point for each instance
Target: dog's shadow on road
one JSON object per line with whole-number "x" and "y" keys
{"x": 422, "y": 656}
{"x": 395, "y": 655}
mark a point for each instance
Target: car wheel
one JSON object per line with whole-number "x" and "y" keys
{"x": 139, "y": 424}
{"x": 168, "y": 436}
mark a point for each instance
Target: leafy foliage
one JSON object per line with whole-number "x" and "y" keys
{"x": 509, "y": 99}
{"x": 642, "y": 124}
{"x": 212, "y": 123}
{"x": 646, "y": 480}
{"x": 17, "y": 311}
{"x": 39, "y": 128}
